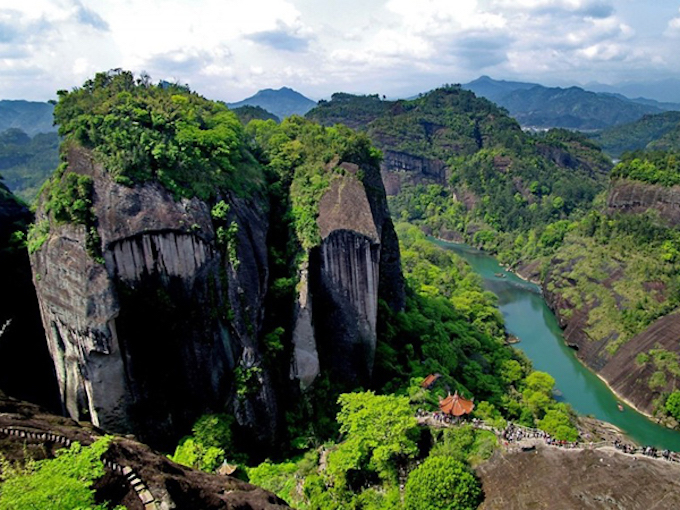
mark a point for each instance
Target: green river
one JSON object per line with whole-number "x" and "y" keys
{"x": 528, "y": 317}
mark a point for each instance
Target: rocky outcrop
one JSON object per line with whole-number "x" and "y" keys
{"x": 356, "y": 264}
{"x": 630, "y": 378}
{"x": 26, "y": 429}
{"x": 398, "y": 166}
{"x": 148, "y": 340}
{"x": 556, "y": 479}
{"x": 628, "y": 196}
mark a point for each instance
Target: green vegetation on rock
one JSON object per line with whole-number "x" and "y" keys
{"x": 67, "y": 198}
{"x": 62, "y": 483}
{"x": 142, "y": 132}
{"x": 305, "y": 157}
{"x": 656, "y": 167}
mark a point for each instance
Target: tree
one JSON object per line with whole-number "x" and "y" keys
{"x": 673, "y": 404}
{"x": 558, "y": 424}
{"x": 442, "y": 483}
{"x": 540, "y": 381}
{"x": 377, "y": 429}
{"x": 62, "y": 483}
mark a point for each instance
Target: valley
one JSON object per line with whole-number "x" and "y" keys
{"x": 256, "y": 293}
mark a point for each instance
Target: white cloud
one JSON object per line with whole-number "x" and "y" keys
{"x": 230, "y": 48}
{"x": 673, "y": 28}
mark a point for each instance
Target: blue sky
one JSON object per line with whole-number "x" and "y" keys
{"x": 228, "y": 49}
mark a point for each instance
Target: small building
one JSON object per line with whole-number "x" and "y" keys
{"x": 455, "y": 405}
{"x": 429, "y": 381}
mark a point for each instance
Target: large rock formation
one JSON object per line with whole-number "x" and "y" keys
{"x": 149, "y": 339}
{"x": 166, "y": 326}
{"x": 356, "y": 264}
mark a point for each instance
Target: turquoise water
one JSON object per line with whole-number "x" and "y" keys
{"x": 528, "y": 317}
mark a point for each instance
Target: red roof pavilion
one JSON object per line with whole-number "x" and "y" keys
{"x": 455, "y": 405}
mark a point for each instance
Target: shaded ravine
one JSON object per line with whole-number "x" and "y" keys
{"x": 528, "y": 317}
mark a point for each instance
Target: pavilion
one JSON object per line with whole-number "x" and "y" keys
{"x": 455, "y": 405}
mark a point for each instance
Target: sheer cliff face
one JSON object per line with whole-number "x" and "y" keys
{"x": 400, "y": 167}
{"x": 148, "y": 340}
{"x": 637, "y": 197}
{"x": 356, "y": 263}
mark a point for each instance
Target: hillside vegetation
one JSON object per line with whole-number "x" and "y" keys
{"x": 498, "y": 178}
{"x": 143, "y": 132}
{"x": 661, "y": 131}
{"x": 26, "y": 162}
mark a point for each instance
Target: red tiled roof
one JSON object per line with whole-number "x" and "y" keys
{"x": 455, "y": 405}
{"x": 429, "y": 381}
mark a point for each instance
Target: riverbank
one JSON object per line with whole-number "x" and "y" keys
{"x": 528, "y": 317}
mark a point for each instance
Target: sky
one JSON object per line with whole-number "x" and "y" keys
{"x": 229, "y": 49}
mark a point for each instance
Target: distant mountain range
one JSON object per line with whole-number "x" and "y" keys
{"x": 282, "y": 102}
{"x": 30, "y": 116}
{"x": 540, "y": 107}
{"x": 662, "y": 90}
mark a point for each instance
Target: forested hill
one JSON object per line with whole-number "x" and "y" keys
{"x": 450, "y": 137}
{"x": 26, "y": 162}
{"x": 661, "y": 132}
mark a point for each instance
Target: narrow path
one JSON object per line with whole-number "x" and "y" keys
{"x": 140, "y": 488}
{"x": 520, "y": 438}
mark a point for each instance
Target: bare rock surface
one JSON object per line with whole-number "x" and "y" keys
{"x": 636, "y": 197}
{"x": 557, "y": 479}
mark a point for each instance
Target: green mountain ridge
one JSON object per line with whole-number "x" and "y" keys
{"x": 660, "y": 131}
{"x": 541, "y": 107}
{"x": 32, "y": 117}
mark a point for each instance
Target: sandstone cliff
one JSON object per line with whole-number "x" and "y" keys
{"x": 593, "y": 286}
{"x": 356, "y": 264}
{"x": 149, "y": 339}
{"x": 628, "y": 196}
{"x": 400, "y": 167}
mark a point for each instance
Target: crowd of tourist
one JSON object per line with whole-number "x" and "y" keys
{"x": 517, "y": 435}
